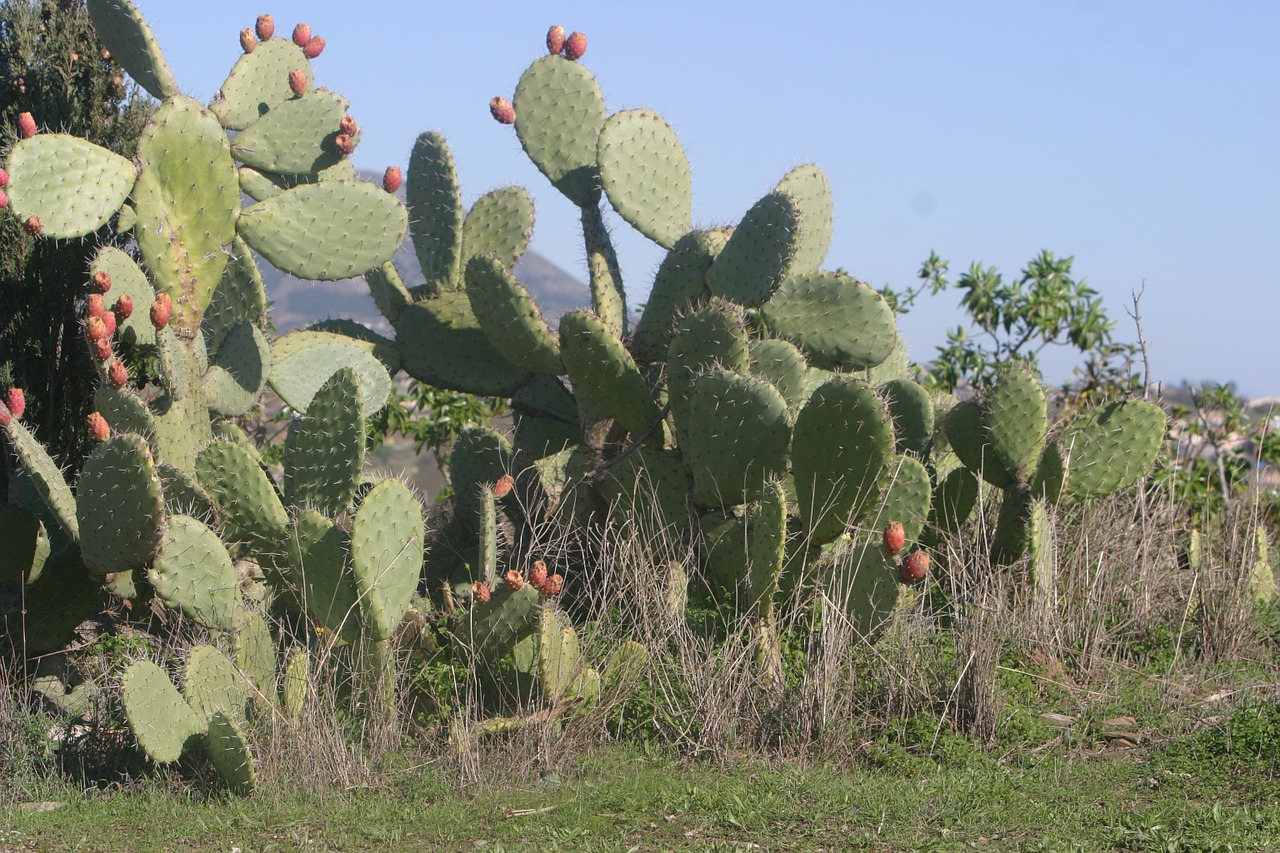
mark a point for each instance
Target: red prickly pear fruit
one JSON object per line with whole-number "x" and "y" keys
{"x": 504, "y": 486}
{"x": 348, "y": 126}
{"x": 33, "y": 225}
{"x": 513, "y": 580}
{"x": 117, "y": 374}
{"x": 502, "y": 111}
{"x": 5, "y": 415}
{"x": 265, "y": 27}
{"x": 93, "y": 306}
{"x": 101, "y": 348}
{"x": 161, "y": 311}
{"x": 552, "y": 587}
{"x": 481, "y": 592}
{"x": 538, "y": 573}
{"x": 574, "y": 46}
{"x": 98, "y": 427}
{"x": 344, "y": 143}
{"x": 124, "y": 307}
{"x": 95, "y": 329}
{"x": 392, "y": 179}
{"x": 313, "y": 48}
{"x": 894, "y": 538}
{"x": 101, "y": 281}
{"x": 302, "y": 34}
{"x": 248, "y": 41}
{"x": 298, "y": 82}
{"x": 26, "y": 125}
{"x": 555, "y": 39}
{"x": 915, "y": 567}
{"x": 4, "y": 178}
{"x": 109, "y": 320}
{"x": 4, "y": 199}
{"x": 17, "y": 402}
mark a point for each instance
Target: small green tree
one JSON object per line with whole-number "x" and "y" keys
{"x": 53, "y": 66}
{"x": 1019, "y": 319}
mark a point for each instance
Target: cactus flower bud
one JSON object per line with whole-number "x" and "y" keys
{"x": 513, "y": 580}
{"x": 481, "y": 593}
{"x": 298, "y": 82}
{"x": 344, "y": 143}
{"x": 302, "y": 34}
{"x": 552, "y": 587}
{"x": 348, "y": 125}
{"x": 265, "y": 27}
{"x": 26, "y": 125}
{"x": 575, "y": 46}
{"x": 161, "y": 311}
{"x": 895, "y": 536}
{"x": 392, "y": 179}
{"x": 98, "y": 427}
{"x": 93, "y": 306}
{"x": 4, "y": 178}
{"x": 915, "y": 567}
{"x": 101, "y": 348}
{"x": 555, "y": 39}
{"x": 502, "y": 111}
{"x": 101, "y": 281}
{"x": 109, "y": 321}
{"x": 248, "y": 41}
{"x": 95, "y": 329}
{"x": 313, "y": 48}
{"x": 117, "y": 374}
{"x": 17, "y": 402}
{"x": 124, "y": 307}
{"x": 33, "y": 225}
{"x": 538, "y": 573}
{"x": 4, "y": 199}
{"x": 503, "y": 487}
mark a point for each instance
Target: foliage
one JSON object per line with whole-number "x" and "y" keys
{"x": 1018, "y": 320}
{"x": 53, "y": 65}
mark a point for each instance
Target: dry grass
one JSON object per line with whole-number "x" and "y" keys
{"x": 1118, "y": 591}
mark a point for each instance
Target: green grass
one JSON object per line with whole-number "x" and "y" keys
{"x": 620, "y": 800}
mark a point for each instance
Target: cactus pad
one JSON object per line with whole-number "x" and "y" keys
{"x": 811, "y": 193}
{"x": 193, "y": 573}
{"x": 602, "y": 369}
{"x": 510, "y": 317}
{"x": 1110, "y": 447}
{"x": 45, "y": 477}
{"x": 238, "y": 371}
{"x": 386, "y": 554}
{"x": 435, "y": 212}
{"x": 500, "y": 224}
{"x": 443, "y": 345}
{"x": 212, "y": 684}
{"x": 245, "y": 496}
{"x": 646, "y": 176}
{"x": 303, "y": 361}
{"x": 760, "y": 254}
{"x": 296, "y": 136}
{"x": 737, "y": 437}
{"x": 160, "y": 719}
{"x": 128, "y": 278}
{"x": 318, "y": 565}
{"x": 74, "y": 186}
{"x": 123, "y": 30}
{"x": 559, "y": 115}
{"x": 120, "y": 506}
{"x": 327, "y": 231}
{"x": 324, "y": 451}
{"x": 679, "y": 285}
{"x": 259, "y": 82}
{"x": 840, "y": 450}
{"x": 229, "y": 752}
{"x": 839, "y": 322}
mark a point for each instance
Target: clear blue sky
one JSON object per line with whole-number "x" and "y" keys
{"x": 1139, "y": 137}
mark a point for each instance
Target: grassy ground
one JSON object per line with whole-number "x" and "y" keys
{"x": 1214, "y": 789}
